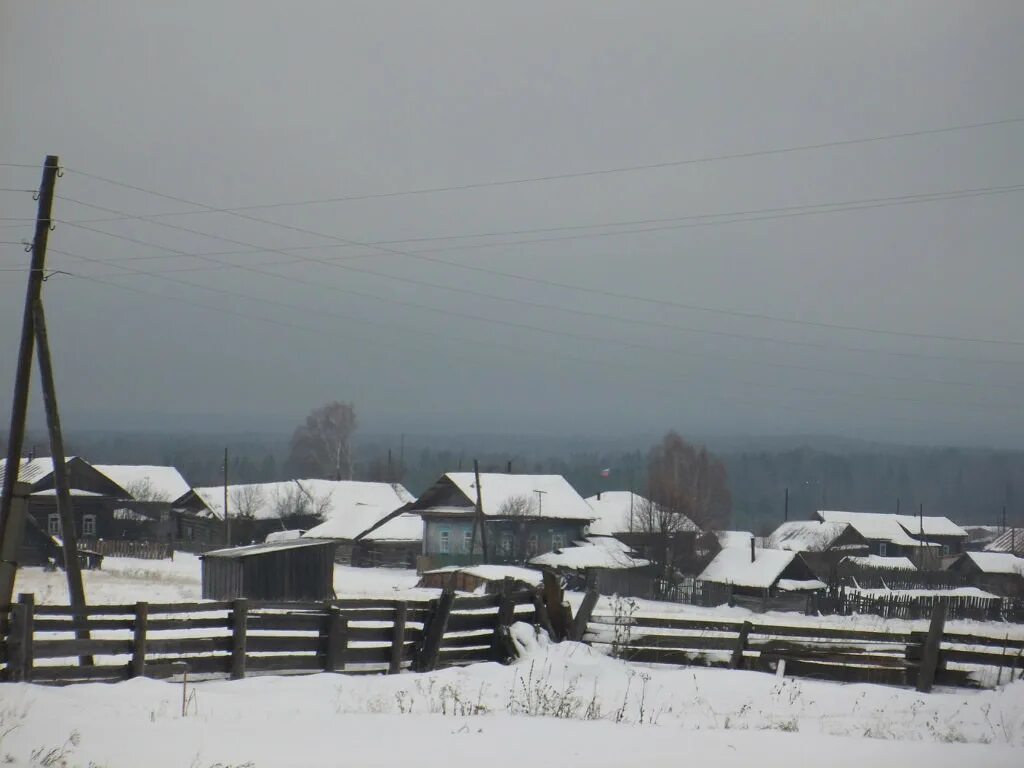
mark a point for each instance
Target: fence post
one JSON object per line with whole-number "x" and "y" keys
{"x": 16, "y": 644}
{"x": 28, "y": 657}
{"x": 398, "y": 638}
{"x": 138, "y": 668}
{"x": 239, "y": 619}
{"x": 502, "y": 646}
{"x": 579, "y": 625}
{"x": 930, "y": 654}
{"x": 337, "y": 640}
{"x": 736, "y": 661}
{"x": 542, "y": 615}
{"x": 553, "y": 598}
{"x": 427, "y": 657}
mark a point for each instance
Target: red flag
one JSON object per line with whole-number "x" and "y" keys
{"x": 606, "y": 473}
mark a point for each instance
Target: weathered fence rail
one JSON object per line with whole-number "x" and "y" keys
{"x": 241, "y": 637}
{"x": 145, "y": 550}
{"x": 897, "y": 606}
{"x": 845, "y": 655}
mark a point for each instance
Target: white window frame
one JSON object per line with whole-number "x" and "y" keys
{"x": 506, "y": 544}
{"x": 53, "y": 526}
{"x": 557, "y": 541}
{"x": 532, "y": 545}
{"x": 882, "y": 548}
{"x": 88, "y": 525}
{"x": 467, "y": 542}
{"x": 945, "y": 549}
{"x": 445, "y": 541}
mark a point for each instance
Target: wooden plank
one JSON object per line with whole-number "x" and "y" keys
{"x": 129, "y": 609}
{"x": 55, "y": 649}
{"x": 16, "y": 645}
{"x": 197, "y": 665}
{"x": 338, "y": 636}
{"x": 474, "y": 640}
{"x": 844, "y": 673}
{"x": 664, "y": 656}
{"x": 463, "y": 656}
{"x": 654, "y": 622}
{"x": 833, "y": 633}
{"x": 579, "y": 625}
{"x": 239, "y": 614}
{"x": 930, "y": 654}
{"x": 106, "y": 672}
{"x": 184, "y": 645}
{"x": 541, "y": 612}
{"x": 437, "y": 625}
{"x": 397, "y": 638}
{"x": 177, "y": 625}
{"x": 693, "y": 642}
{"x": 963, "y": 639}
{"x": 476, "y": 603}
{"x": 138, "y": 665}
{"x": 28, "y": 652}
{"x": 287, "y": 622}
{"x": 286, "y": 664}
{"x": 371, "y": 634}
{"x": 68, "y": 625}
{"x": 740, "y": 645}
{"x": 981, "y": 658}
{"x": 277, "y": 644}
{"x": 361, "y": 602}
{"x": 361, "y": 654}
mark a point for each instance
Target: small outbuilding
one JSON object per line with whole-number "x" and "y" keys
{"x": 299, "y": 569}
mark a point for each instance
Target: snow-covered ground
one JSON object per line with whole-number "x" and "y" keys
{"x": 559, "y": 705}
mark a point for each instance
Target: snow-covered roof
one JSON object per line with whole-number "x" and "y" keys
{"x": 997, "y": 562}
{"x": 31, "y": 470}
{"x": 495, "y": 572}
{"x": 588, "y": 555}
{"x": 895, "y": 529}
{"x": 350, "y": 506}
{"x": 877, "y": 561}
{"x": 151, "y": 483}
{"x": 806, "y": 535}
{"x": 801, "y": 585}
{"x": 275, "y": 536}
{"x": 73, "y": 491}
{"x": 733, "y": 566}
{"x": 1011, "y": 540}
{"x": 404, "y": 527}
{"x": 543, "y": 495}
{"x": 619, "y": 512}
{"x": 734, "y": 539}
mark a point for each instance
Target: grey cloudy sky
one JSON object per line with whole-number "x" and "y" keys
{"x": 228, "y": 105}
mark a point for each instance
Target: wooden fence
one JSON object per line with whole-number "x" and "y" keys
{"x": 145, "y": 550}
{"x": 846, "y": 655}
{"x": 896, "y": 606}
{"x": 52, "y": 644}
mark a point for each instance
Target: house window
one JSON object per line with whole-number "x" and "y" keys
{"x": 446, "y": 545}
{"x": 531, "y": 545}
{"x": 467, "y": 542}
{"x": 557, "y": 541}
{"x": 881, "y": 548}
{"x": 53, "y": 524}
{"x": 88, "y": 525}
{"x": 506, "y": 544}
{"x": 945, "y": 549}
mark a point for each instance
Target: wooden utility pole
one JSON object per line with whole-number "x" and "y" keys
{"x": 785, "y": 512}
{"x": 480, "y": 508}
{"x": 12, "y": 518}
{"x": 227, "y": 518}
{"x": 69, "y": 534}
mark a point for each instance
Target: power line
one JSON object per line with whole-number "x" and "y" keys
{"x": 579, "y": 174}
{"x": 659, "y": 302}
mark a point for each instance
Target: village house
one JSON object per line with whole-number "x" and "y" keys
{"x": 821, "y": 545}
{"x": 761, "y": 573}
{"x": 297, "y": 570}
{"x": 633, "y": 520}
{"x": 924, "y": 539}
{"x": 522, "y": 516}
{"x": 999, "y": 572}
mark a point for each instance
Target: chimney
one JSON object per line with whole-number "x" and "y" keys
{"x": 508, "y": 469}
{"x": 752, "y": 549}
{"x": 598, "y": 495}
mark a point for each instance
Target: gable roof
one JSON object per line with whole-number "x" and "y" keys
{"x": 398, "y": 526}
{"x": 1011, "y": 540}
{"x": 590, "y": 554}
{"x": 996, "y": 562}
{"x": 619, "y": 512}
{"x": 39, "y": 472}
{"x": 806, "y": 535}
{"x": 733, "y": 566}
{"x": 894, "y": 529}
{"x": 556, "y": 498}
{"x": 267, "y": 547}
{"x": 877, "y": 561}
{"x": 165, "y": 483}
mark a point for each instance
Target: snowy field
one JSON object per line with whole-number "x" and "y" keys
{"x": 559, "y": 705}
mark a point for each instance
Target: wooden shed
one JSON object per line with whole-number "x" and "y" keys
{"x": 300, "y": 569}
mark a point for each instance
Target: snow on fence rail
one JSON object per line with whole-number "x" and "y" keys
{"x": 845, "y": 655}
{"x": 118, "y": 642}
{"x": 144, "y": 550}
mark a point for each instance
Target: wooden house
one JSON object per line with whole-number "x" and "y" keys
{"x": 821, "y": 545}
{"x": 924, "y": 539}
{"x": 522, "y": 516}
{"x": 999, "y": 572}
{"x": 632, "y": 519}
{"x": 760, "y": 573}
{"x": 299, "y": 570}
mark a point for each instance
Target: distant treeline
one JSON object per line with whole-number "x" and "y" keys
{"x": 966, "y": 484}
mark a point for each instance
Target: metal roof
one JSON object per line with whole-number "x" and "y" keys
{"x": 265, "y": 548}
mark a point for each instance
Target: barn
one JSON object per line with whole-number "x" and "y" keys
{"x": 299, "y": 569}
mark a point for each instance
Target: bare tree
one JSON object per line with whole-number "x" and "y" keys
{"x": 322, "y": 446}
{"x": 689, "y": 481}
{"x": 297, "y": 506}
{"x": 144, "y": 490}
{"x": 517, "y": 506}
{"x": 246, "y": 500}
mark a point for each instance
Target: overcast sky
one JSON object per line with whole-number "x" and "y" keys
{"x": 228, "y": 105}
